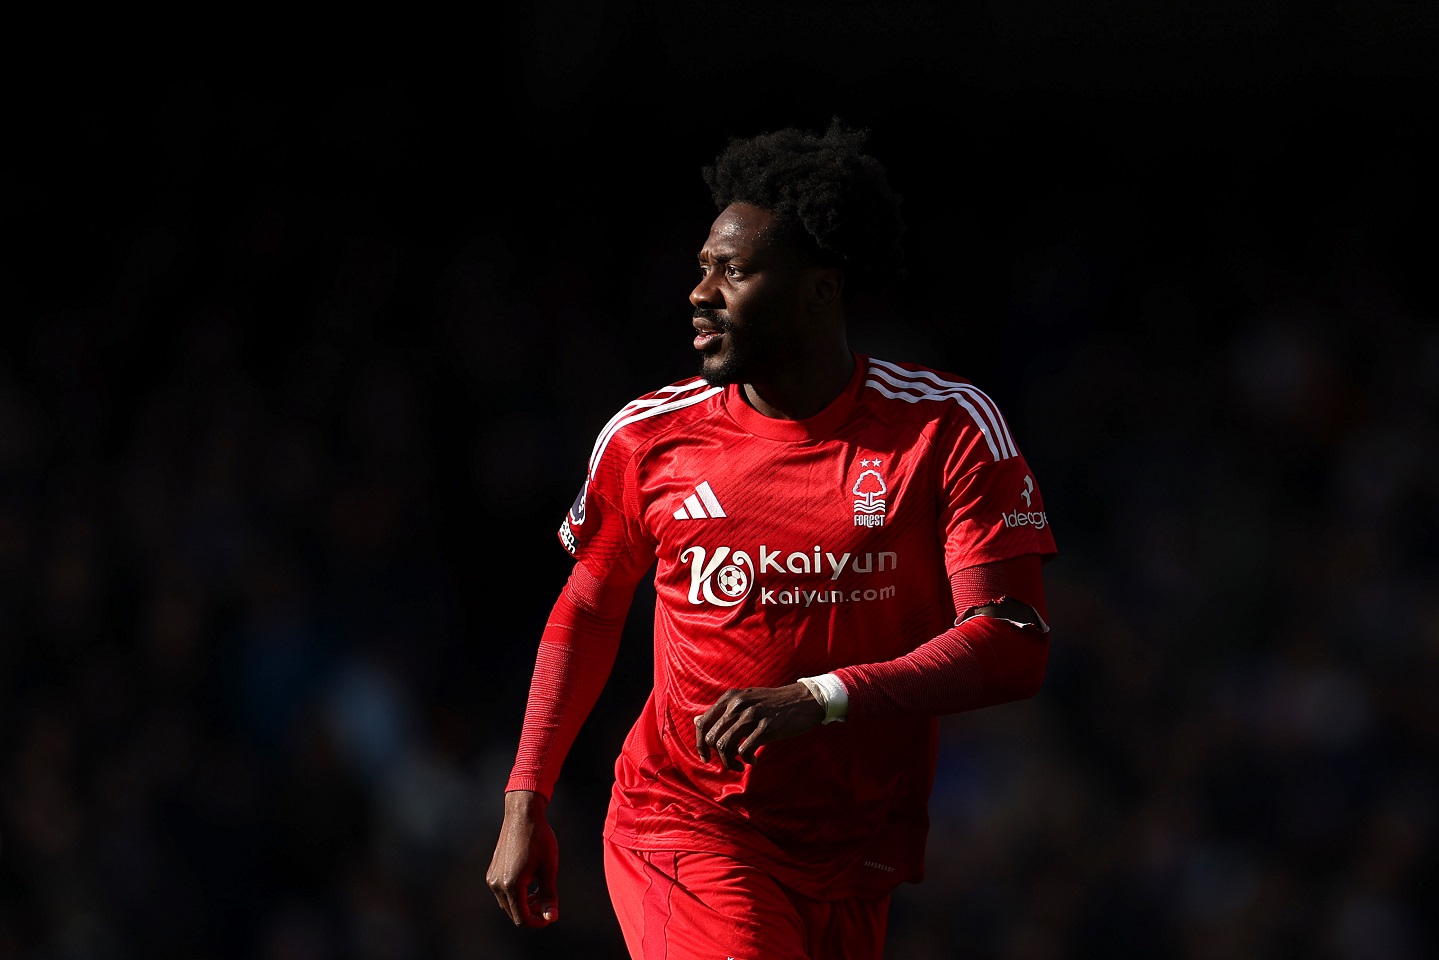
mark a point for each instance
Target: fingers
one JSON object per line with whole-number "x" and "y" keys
{"x": 711, "y": 728}
{"x": 702, "y": 747}
{"x": 509, "y": 878}
{"x": 511, "y": 892}
{"x": 731, "y": 730}
{"x": 545, "y": 901}
{"x": 543, "y": 911}
{"x": 532, "y": 905}
{"x": 747, "y": 747}
{"x": 714, "y": 732}
{"x": 523, "y": 871}
{"x": 509, "y": 896}
{"x": 742, "y": 721}
{"x": 726, "y": 752}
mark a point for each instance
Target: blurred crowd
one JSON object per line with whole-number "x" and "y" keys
{"x": 278, "y": 491}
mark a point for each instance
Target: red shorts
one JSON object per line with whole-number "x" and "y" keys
{"x": 703, "y": 906}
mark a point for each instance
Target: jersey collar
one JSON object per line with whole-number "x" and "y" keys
{"x": 817, "y": 427}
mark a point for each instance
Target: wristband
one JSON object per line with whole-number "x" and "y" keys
{"x": 831, "y": 694}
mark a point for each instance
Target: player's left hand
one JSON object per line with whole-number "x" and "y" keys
{"x": 742, "y": 721}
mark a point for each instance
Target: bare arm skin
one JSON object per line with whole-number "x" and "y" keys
{"x": 526, "y": 856}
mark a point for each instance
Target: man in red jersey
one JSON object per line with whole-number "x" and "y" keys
{"x": 843, "y": 549}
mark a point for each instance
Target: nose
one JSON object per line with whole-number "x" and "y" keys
{"x": 706, "y": 292}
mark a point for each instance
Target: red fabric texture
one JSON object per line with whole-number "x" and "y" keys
{"x": 1018, "y": 578}
{"x": 576, "y": 654}
{"x": 979, "y": 662}
{"x": 784, "y": 549}
{"x": 682, "y": 905}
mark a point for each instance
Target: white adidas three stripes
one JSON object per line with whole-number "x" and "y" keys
{"x": 889, "y": 379}
{"x": 700, "y": 505}
{"x": 927, "y": 386}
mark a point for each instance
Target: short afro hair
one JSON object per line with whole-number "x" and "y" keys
{"x": 826, "y": 192}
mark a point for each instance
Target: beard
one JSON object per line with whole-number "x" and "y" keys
{"x": 724, "y": 367}
{"x": 746, "y": 354}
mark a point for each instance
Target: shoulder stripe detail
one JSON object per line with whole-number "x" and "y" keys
{"x": 981, "y": 400}
{"x": 674, "y": 397}
{"x": 913, "y": 386}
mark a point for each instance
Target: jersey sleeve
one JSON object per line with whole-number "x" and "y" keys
{"x": 576, "y": 654}
{"x": 991, "y": 506}
{"x": 603, "y": 529}
{"x": 982, "y": 662}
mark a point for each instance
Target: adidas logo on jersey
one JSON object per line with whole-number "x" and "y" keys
{"x": 700, "y": 505}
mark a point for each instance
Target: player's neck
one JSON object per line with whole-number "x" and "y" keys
{"x": 801, "y": 392}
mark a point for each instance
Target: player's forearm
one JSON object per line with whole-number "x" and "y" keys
{"x": 563, "y": 691}
{"x": 982, "y": 662}
{"x": 576, "y": 654}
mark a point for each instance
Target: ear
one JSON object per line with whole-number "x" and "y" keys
{"x": 826, "y": 287}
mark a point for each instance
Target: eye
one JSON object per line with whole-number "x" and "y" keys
{"x": 731, "y": 270}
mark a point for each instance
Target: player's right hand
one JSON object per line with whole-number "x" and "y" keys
{"x": 742, "y": 721}
{"x": 526, "y": 861}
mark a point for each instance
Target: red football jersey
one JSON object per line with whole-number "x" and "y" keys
{"x": 783, "y": 549}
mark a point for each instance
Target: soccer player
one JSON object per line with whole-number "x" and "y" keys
{"x": 844, "y": 548}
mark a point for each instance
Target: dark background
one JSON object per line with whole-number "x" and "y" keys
{"x": 307, "y": 333}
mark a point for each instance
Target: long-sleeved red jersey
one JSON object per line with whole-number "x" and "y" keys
{"x": 783, "y": 549}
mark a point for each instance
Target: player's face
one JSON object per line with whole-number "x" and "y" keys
{"x": 747, "y": 303}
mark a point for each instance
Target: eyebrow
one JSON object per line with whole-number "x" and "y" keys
{"x": 726, "y": 252}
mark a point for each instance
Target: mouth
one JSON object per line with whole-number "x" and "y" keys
{"x": 708, "y": 333}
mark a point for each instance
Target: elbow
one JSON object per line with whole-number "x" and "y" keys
{"x": 1033, "y": 680}
{"x": 1037, "y": 661}
{"x": 1025, "y": 676}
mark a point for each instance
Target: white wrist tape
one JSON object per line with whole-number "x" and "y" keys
{"x": 831, "y": 695}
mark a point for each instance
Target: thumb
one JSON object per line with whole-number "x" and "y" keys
{"x": 548, "y": 897}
